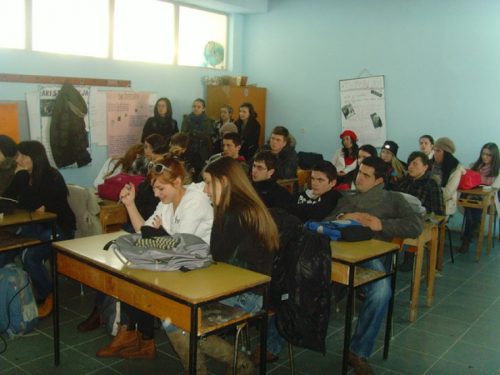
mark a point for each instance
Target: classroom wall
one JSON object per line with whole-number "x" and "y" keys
{"x": 180, "y": 84}
{"x": 440, "y": 59}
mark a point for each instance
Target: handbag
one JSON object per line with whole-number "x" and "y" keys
{"x": 469, "y": 180}
{"x": 113, "y": 185}
{"x": 341, "y": 230}
{"x": 191, "y": 252}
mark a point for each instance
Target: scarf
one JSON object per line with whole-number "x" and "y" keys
{"x": 485, "y": 170}
{"x": 197, "y": 121}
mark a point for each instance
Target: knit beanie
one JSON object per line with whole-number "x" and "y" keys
{"x": 229, "y": 128}
{"x": 391, "y": 146}
{"x": 8, "y": 146}
{"x": 445, "y": 144}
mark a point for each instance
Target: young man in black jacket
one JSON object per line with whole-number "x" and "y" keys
{"x": 263, "y": 170}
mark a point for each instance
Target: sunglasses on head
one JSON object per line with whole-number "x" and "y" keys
{"x": 158, "y": 168}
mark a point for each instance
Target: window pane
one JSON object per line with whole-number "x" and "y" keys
{"x": 144, "y": 31}
{"x": 12, "y": 24}
{"x": 71, "y": 26}
{"x": 202, "y": 38}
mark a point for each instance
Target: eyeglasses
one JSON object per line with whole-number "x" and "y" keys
{"x": 259, "y": 168}
{"x": 158, "y": 168}
{"x": 485, "y": 154}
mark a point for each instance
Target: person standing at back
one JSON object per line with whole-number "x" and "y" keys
{"x": 162, "y": 122}
{"x": 199, "y": 127}
{"x": 248, "y": 129}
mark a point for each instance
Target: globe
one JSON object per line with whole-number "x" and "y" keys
{"x": 214, "y": 53}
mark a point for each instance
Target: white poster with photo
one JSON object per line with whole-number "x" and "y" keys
{"x": 127, "y": 113}
{"x": 40, "y": 106}
{"x": 362, "y": 103}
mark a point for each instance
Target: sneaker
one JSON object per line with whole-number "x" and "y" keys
{"x": 361, "y": 365}
{"x": 45, "y": 308}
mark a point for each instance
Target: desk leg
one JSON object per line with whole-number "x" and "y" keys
{"x": 348, "y": 319}
{"x": 193, "y": 340}
{"x": 390, "y": 310}
{"x": 55, "y": 284}
{"x": 417, "y": 274}
{"x": 490, "y": 226}
{"x": 442, "y": 232}
{"x": 481, "y": 228}
{"x": 431, "y": 262}
{"x": 263, "y": 332}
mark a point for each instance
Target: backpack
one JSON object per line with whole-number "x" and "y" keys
{"x": 189, "y": 253}
{"x": 308, "y": 159}
{"x": 18, "y": 311}
{"x": 113, "y": 185}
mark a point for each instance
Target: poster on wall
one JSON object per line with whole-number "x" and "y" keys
{"x": 40, "y": 107}
{"x": 127, "y": 113}
{"x": 362, "y": 104}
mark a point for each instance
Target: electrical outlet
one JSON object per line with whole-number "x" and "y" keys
{"x": 302, "y": 130}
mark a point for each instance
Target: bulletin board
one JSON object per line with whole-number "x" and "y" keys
{"x": 362, "y": 104}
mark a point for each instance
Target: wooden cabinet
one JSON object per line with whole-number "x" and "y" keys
{"x": 235, "y": 96}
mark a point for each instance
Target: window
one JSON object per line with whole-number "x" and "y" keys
{"x": 144, "y": 31}
{"x": 12, "y": 24}
{"x": 202, "y": 38}
{"x": 71, "y": 26}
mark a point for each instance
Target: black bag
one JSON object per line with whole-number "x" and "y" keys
{"x": 308, "y": 159}
{"x": 7, "y": 205}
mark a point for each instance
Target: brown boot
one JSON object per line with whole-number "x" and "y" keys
{"x": 92, "y": 322}
{"x": 220, "y": 350}
{"x": 180, "y": 342}
{"x": 255, "y": 356}
{"x": 464, "y": 246}
{"x": 123, "y": 340}
{"x": 45, "y": 308}
{"x": 146, "y": 351}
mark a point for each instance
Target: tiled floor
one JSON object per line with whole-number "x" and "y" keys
{"x": 458, "y": 335}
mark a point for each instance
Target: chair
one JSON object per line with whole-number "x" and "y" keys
{"x": 84, "y": 204}
{"x": 304, "y": 176}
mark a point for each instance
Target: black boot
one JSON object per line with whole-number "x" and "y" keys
{"x": 92, "y": 322}
{"x": 464, "y": 246}
{"x": 407, "y": 264}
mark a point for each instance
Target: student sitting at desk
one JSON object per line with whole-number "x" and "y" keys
{"x": 282, "y": 143}
{"x": 39, "y": 187}
{"x": 231, "y": 144}
{"x": 125, "y": 164}
{"x": 244, "y": 235}
{"x": 181, "y": 210}
{"x": 263, "y": 169}
{"x": 420, "y": 184}
{"x": 389, "y": 215}
{"x": 348, "y": 181}
{"x": 8, "y": 165}
{"x": 447, "y": 171}
{"x": 317, "y": 202}
{"x": 488, "y": 165}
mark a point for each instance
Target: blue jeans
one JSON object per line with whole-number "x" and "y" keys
{"x": 471, "y": 215}
{"x": 248, "y": 302}
{"x": 373, "y": 311}
{"x": 33, "y": 257}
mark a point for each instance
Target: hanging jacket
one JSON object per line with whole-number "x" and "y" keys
{"x": 301, "y": 283}
{"x": 68, "y": 136}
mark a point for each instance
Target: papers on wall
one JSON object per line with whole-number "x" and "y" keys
{"x": 362, "y": 103}
{"x": 127, "y": 113}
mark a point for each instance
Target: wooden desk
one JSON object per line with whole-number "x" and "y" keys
{"x": 11, "y": 241}
{"x": 176, "y": 295}
{"x": 288, "y": 183}
{"x": 430, "y": 235}
{"x": 487, "y": 200}
{"x": 112, "y": 216}
{"x": 346, "y": 258}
